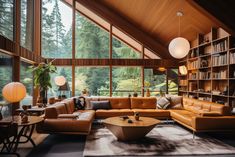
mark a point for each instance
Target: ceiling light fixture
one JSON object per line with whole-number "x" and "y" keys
{"x": 179, "y": 47}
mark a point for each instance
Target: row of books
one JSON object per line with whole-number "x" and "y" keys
{"x": 193, "y": 65}
{"x": 192, "y": 76}
{"x": 221, "y": 46}
{"x": 205, "y": 75}
{"x": 219, "y": 60}
{"x": 220, "y": 75}
{"x": 183, "y": 82}
{"x": 232, "y": 58}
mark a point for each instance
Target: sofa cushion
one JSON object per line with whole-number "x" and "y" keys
{"x": 100, "y": 105}
{"x": 54, "y": 110}
{"x": 118, "y": 103}
{"x": 143, "y": 103}
{"x": 183, "y": 116}
{"x": 155, "y": 113}
{"x": 69, "y": 104}
{"x": 113, "y": 113}
{"x": 176, "y": 102}
{"x": 163, "y": 103}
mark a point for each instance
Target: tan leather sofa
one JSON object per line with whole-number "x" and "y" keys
{"x": 127, "y": 106}
{"x": 199, "y": 116}
{"x": 204, "y": 116}
{"x": 61, "y": 117}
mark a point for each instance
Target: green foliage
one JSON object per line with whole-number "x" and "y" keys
{"x": 6, "y": 18}
{"x": 42, "y": 73}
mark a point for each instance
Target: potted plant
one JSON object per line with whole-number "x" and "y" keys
{"x": 42, "y": 79}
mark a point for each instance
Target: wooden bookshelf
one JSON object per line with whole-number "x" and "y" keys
{"x": 211, "y": 68}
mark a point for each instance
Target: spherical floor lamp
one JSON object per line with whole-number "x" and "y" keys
{"x": 60, "y": 81}
{"x": 14, "y": 92}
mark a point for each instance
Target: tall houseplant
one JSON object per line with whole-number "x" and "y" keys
{"x": 42, "y": 79}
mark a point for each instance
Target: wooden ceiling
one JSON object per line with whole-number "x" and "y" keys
{"x": 158, "y": 17}
{"x": 154, "y": 22}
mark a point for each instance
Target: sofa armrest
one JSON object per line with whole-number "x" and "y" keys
{"x": 69, "y": 116}
{"x": 213, "y": 123}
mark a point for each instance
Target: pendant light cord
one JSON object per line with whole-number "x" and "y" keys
{"x": 179, "y": 27}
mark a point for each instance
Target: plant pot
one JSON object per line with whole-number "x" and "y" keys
{"x": 147, "y": 93}
{"x": 135, "y": 94}
{"x": 43, "y": 96}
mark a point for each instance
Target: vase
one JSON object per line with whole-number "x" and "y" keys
{"x": 147, "y": 93}
{"x": 135, "y": 94}
{"x": 137, "y": 116}
{"x": 43, "y": 96}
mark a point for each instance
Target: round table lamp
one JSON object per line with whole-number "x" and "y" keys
{"x": 60, "y": 80}
{"x": 14, "y": 92}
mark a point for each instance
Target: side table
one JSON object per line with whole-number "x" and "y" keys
{"x": 25, "y": 130}
{"x": 34, "y": 111}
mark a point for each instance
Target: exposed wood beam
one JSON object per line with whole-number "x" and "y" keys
{"x": 223, "y": 16}
{"x": 117, "y": 62}
{"x": 127, "y": 27}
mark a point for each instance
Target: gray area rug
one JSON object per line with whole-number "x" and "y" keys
{"x": 163, "y": 140}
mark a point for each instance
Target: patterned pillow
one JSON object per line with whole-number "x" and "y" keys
{"x": 175, "y": 101}
{"x": 163, "y": 103}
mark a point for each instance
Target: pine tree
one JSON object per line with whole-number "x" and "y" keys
{"x": 6, "y": 18}
{"x": 57, "y": 29}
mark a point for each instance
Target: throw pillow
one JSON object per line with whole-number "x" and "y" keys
{"x": 163, "y": 103}
{"x": 100, "y": 105}
{"x": 80, "y": 103}
{"x": 175, "y": 101}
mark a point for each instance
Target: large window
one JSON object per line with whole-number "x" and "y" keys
{"x": 6, "y": 18}
{"x": 155, "y": 81}
{"x": 56, "y": 29}
{"x": 56, "y": 91}
{"x": 26, "y": 77}
{"x": 126, "y": 80}
{"x": 5, "y": 77}
{"x": 91, "y": 40}
{"x": 27, "y": 22}
{"x": 121, "y": 50}
{"x": 173, "y": 81}
{"x": 94, "y": 80}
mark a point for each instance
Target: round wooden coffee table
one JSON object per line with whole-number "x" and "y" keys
{"x": 125, "y": 131}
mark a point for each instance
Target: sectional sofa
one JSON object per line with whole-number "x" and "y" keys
{"x": 197, "y": 115}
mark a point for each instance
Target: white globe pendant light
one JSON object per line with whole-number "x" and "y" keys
{"x": 179, "y": 47}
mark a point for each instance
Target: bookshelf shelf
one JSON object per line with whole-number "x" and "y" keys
{"x": 211, "y": 67}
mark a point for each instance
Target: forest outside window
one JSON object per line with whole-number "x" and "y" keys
{"x": 155, "y": 81}
{"x": 56, "y": 29}
{"x": 94, "y": 80}
{"x": 172, "y": 81}
{"x": 126, "y": 81}
{"x": 27, "y": 23}
{"x": 7, "y": 18}
{"x": 91, "y": 40}
{"x": 6, "y": 77}
{"x": 26, "y": 77}
{"x": 122, "y": 50}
